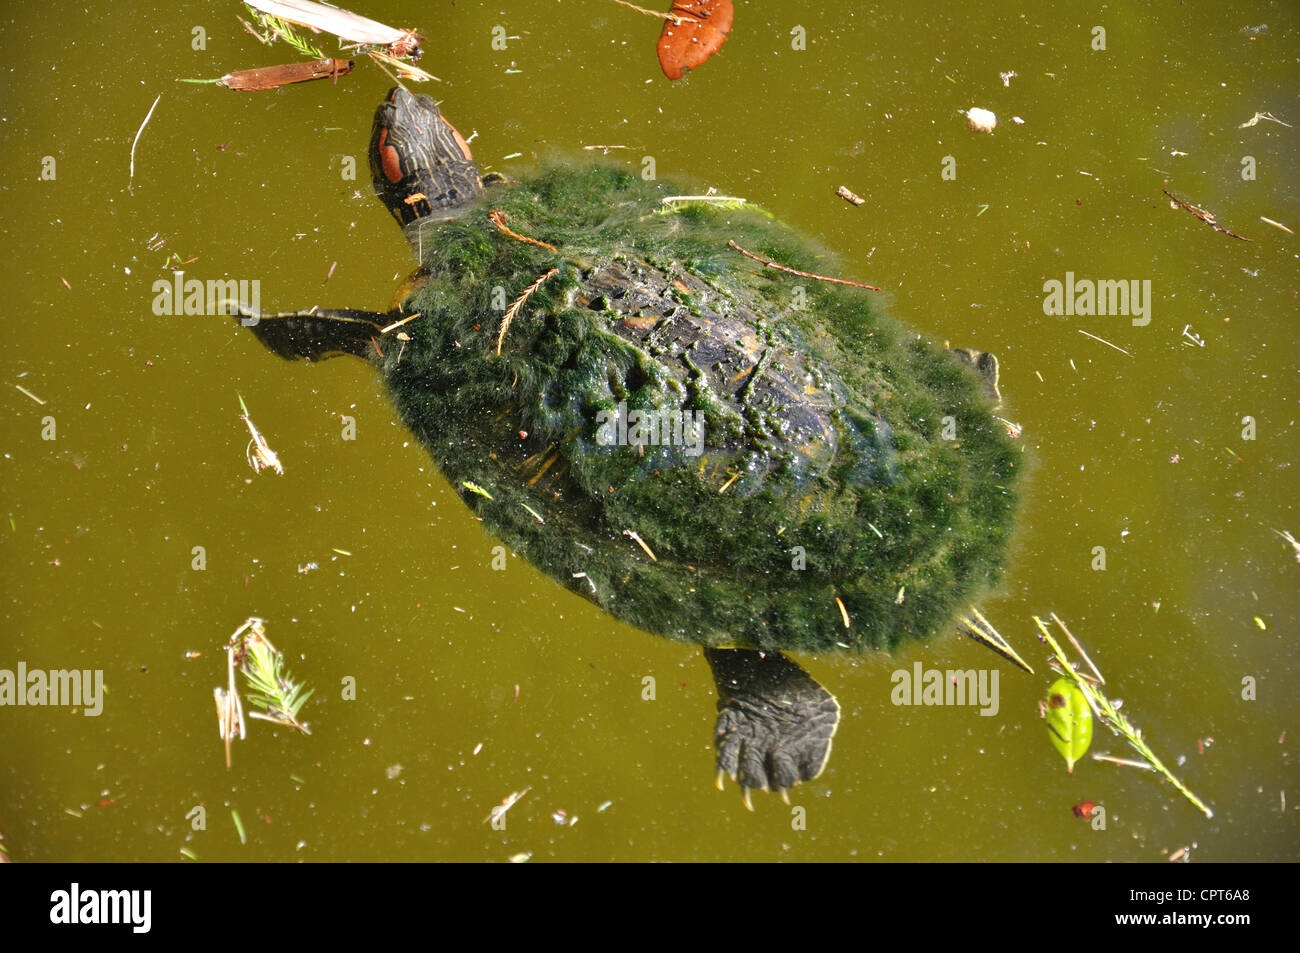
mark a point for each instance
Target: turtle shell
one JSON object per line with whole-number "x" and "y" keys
{"x": 711, "y": 450}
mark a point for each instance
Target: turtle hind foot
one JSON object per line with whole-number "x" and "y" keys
{"x": 775, "y": 722}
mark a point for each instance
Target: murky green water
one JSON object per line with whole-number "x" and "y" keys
{"x": 1141, "y": 452}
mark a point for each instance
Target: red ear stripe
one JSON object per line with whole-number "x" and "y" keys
{"x": 388, "y": 158}
{"x": 460, "y": 141}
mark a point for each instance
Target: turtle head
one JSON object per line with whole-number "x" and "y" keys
{"x": 419, "y": 163}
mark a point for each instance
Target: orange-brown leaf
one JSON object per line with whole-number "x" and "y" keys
{"x": 700, "y": 31}
{"x": 270, "y": 77}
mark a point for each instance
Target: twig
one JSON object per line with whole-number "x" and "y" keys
{"x": 1078, "y": 648}
{"x": 1269, "y": 221}
{"x": 397, "y": 324}
{"x": 42, "y": 403}
{"x": 1124, "y": 761}
{"x": 844, "y": 613}
{"x": 1103, "y": 341}
{"x": 801, "y": 274}
{"x": 982, "y": 630}
{"x": 519, "y": 303}
{"x": 130, "y": 185}
{"x": 632, "y": 534}
{"x": 671, "y": 17}
{"x": 1280, "y": 532}
{"x": 1258, "y": 116}
{"x": 499, "y": 219}
{"x": 1203, "y": 214}
{"x": 720, "y": 199}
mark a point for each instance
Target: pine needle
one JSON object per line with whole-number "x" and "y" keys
{"x": 130, "y": 186}
{"x": 519, "y": 303}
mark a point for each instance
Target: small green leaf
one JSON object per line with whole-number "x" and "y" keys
{"x": 1069, "y": 721}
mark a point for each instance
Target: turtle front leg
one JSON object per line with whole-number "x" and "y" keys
{"x": 319, "y": 333}
{"x": 775, "y": 723}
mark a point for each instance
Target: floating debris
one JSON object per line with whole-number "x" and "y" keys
{"x": 259, "y": 454}
{"x": 982, "y": 630}
{"x": 1102, "y": 340}
{"x": 1204, "y": 215}
{"x": 1013, "y": 430}
{"x": 1128, "y": 763}
{"x": 270, "y": 686}
{"x": 130, "y": 186}
{"x": 1295, "y": 546}
{"x": 1106, "y": 710}
{"x": 727, "y": 201}
{"x": 1258, "y": 116}
{"x": 273, "y": 77}
{"x": 849, "y": 196}
{"x": 981, "y": 120}
{"x": 506, "y": 804}
{"x": 382, "y": 43}
{"x": 24, "y": 390}
{"x": 696, "y": 29}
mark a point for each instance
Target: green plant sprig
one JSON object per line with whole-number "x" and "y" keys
{"x": 1106, "y": 711}
{"x": 270, "y": 687}
{"x": 275, "y": 27}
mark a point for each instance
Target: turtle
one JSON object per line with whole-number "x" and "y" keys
{"x": 660, "y": 405}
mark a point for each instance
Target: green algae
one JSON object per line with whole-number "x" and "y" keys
{"x": 793, "y": 502}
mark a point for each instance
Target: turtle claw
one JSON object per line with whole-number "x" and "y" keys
{"x": 775, "y": 723}
{"x": 744, "y": 796}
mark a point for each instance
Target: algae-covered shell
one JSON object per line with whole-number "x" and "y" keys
{"x": 716, "y": 451}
